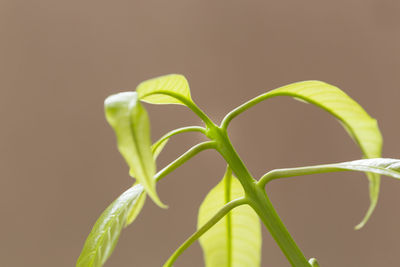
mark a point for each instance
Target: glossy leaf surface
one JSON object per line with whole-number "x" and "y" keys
{"x": 131, "y": 124}
{"x": 105, "y": 233}
{"x": 383, "y": 166}
{"x": 361, "y": 127}
{"x": 162, "y": 90}
{"x": 236, "y": 239}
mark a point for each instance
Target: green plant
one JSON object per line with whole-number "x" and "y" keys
{"x": 229, "y": 217}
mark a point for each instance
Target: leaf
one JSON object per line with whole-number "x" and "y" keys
{"x": 131, "y": 124}
{"x": 156, "y": 149}
{"x": 105, "y": 233}
{"x": 382, "y": 166}
{"x": 361, "y": 127}
{"x": 236, "y": 239}
{"x": 165, "y": 90}
{"x": 137, "y": 208}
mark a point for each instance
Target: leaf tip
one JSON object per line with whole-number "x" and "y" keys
{"x": 359, "y": 226}
{"x": 367, "y": 216}
{"x": 157, "y": 200}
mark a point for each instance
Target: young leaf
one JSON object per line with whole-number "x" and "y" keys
{"x": 131, "y": 124}
{"x": 361, "y": 127}
{"x": 105, "y": 233}
{"x": 168, "y": 89}
{"x": 383, "y": 166}
{"x": 137, "y": 208}
{"x": 156, "y": 149}
{"x": 236, "y": 239}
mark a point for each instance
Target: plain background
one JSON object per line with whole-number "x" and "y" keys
{"x": 59, "y": 165}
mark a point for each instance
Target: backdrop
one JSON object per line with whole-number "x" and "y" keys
{"x": 59, "y": 164}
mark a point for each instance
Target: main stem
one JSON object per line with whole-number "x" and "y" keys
{"x": 258, "y": 199}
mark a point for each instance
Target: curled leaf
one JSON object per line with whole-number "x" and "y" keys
{"x": 131, "y": 124}
{"x": 360, "y": 126}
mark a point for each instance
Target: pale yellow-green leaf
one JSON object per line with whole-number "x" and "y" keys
{"x": 361, "y": 127}
{"x": 137, "y": 208}
{"x": 384, "y": 166}
{"x": 131, "y": 124}
{"x": 168, "y": 89}
{"x": 156, "y": 149}
{"x": 235, "y": 241}
{"x": 105, "y": 233}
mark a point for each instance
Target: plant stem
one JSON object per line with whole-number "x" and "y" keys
{"x": 183, "y": 158}
{"x": 291, "y": 172}
{"x": 258, "y": 199}
{"x": 218, "y": 216}
{"x": 264, "y": 208}
{"x": 178, "y": 131}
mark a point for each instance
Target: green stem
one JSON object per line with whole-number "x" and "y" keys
{"x": 258, "y": 199}
{"x": 187, "y": 102}
{"x": 183, "y": 158}
{"x": 178, "y": 131}
{"x": 264, "y": 208}
{"x": 218, "y": 216}
{"x": 291, "y": 172}
{"x": 252, "y": 102}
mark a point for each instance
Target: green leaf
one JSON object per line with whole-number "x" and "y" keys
{"x": 131, "y": 124}
{"x": 156, "y": 149}
{"x": 236, "y": 239}
{"x": 137, "y": 208}
{"x": 361, "y": 127}
{"x": 382, "y": 166}
{"x": 105, "y": 233}
{"x": 168, "y": 89}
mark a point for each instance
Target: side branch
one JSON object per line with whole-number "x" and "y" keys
{"x": 178, "y": 131}
{"x": 291, "y": 172}
{"x": 218, "y": 216}
{"x": 183, "y": 158}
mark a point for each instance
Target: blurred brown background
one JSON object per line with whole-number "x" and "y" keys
{"x": 59, "y": 165}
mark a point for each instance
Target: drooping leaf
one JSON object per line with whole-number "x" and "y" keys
{"x": 105, "y": 233}
{"x": 161, "y": 90}
{"x": 361, "y": 127}
{"x": 235, "y": 241}
{"x": 131, "y": 124}
{"x": 156, "y": 149}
